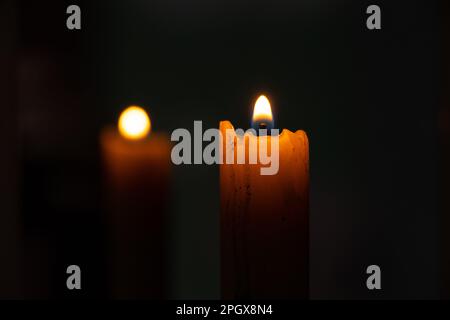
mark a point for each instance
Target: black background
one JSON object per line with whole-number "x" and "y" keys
{"x": 370, "y": 101}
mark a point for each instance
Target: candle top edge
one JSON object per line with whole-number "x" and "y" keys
{"x": 226, "y": 124}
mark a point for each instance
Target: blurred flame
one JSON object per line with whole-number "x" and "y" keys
{"x": 134, "y": 123}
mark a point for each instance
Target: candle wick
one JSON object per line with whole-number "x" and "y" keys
{"x": 262, "y": 126}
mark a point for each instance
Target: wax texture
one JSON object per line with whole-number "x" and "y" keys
{"x": 264, "y": 223}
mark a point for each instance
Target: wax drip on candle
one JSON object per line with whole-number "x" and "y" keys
{"x": 262, "y": 115}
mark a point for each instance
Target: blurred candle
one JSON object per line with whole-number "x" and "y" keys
{"x": 264, "y": 218}
{"x": 136, "y": 172}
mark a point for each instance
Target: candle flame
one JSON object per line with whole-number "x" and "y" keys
{"x": 262, "y": 112}
{"x": 134, "y": 123}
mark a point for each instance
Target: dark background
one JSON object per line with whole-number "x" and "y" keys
{"x": 373, "y": 103}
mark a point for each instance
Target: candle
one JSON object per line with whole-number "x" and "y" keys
{"x": 136, "y": 168}
{"x": 264, "y": 217}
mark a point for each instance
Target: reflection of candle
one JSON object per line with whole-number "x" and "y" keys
{"x": 264, "y": 218}
{"x": 136, "y": 173}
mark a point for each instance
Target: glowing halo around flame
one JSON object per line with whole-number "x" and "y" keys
{"x": 134, "y": 123}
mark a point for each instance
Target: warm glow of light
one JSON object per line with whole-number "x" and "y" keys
{"x": 262, "y": 111}
{"x": 134, "y": 123}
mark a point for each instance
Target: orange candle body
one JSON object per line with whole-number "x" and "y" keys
{"x": 264, "y": 223}
{"x": 136, "y": 183}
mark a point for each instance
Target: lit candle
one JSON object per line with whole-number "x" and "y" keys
{"x": 136, "y": 167}
{"x": 264, "y": 218}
